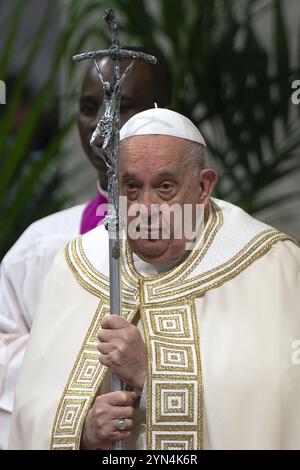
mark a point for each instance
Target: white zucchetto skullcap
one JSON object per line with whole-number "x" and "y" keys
{"x": 163, "y": 122}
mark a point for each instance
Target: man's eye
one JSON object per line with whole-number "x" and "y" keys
{"x": 165, "y": 186}
{"x": 88, "y": 108}
{"x": 130, "y": 186}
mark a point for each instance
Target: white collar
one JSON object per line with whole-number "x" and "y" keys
{"x": 148, "y": 269}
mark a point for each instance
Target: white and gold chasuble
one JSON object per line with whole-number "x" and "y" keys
{"x": 219, "y": 328}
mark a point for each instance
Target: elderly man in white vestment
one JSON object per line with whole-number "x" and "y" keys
{"x": 207, "y": 344}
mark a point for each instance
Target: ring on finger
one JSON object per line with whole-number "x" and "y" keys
{"x": 121, "y": 424}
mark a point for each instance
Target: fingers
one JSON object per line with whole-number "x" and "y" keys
{"x": 110, "y": 353}
{"x": 123, "y": 412}
{"x": 121, "y": 399}
{"x": 115, "y": 327}
{"x": 114, "y": 322}
{"x": 105, "y": 361}
{"x": 104, "y": 420}
{"x": 129, "y": 423}
{"x": 114, "y": 355}
{"x": 105, "y": 348}
{"x": 106, "y": 335}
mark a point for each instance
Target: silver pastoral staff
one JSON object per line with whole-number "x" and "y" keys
{"x": 108, "y": 129}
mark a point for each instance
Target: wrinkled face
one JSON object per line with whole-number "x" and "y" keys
{"x": 155, "y": 171}
{"x": 137, "y": 95}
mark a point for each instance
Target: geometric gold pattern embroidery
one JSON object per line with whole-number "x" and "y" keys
{"x": 175, "y": 441}
{"x": 170, "y": 321}
{"x": 173, "y": 358}
{"x": 174, "y": 403}
{"x": 174, "y": 381}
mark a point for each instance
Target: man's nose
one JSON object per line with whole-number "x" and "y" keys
{"x": 149, "y": 200}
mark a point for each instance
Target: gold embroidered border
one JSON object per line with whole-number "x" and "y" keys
{"x": 96, "y": 284}
{"x": 96, "y": 275}
{"x": 155, "y": 284}
{"x": 247, "y": 249}
{"x": 199, "y": 285}
{"x": 183, "y": 268}
{"x": 173, "y": 379}
{"x": 77, "y": 269}
{"x": 216, "y": 280}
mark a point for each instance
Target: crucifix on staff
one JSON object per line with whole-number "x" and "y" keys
{"x": 108, "y": 129}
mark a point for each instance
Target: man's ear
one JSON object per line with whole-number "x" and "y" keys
{"x": 209, "y": 178}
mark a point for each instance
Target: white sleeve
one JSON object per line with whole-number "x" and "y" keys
{"x": 287, "y": 292}
{"x": 14, "y": 329}
{"x": 22, "y": 273}
{"x": 12, "y": 349}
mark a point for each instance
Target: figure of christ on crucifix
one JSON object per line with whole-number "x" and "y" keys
{"x": 108, "y": 126}
{"x": 104, "y": 128}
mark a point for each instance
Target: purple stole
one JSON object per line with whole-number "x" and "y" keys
{"x": 94, "y": 213}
